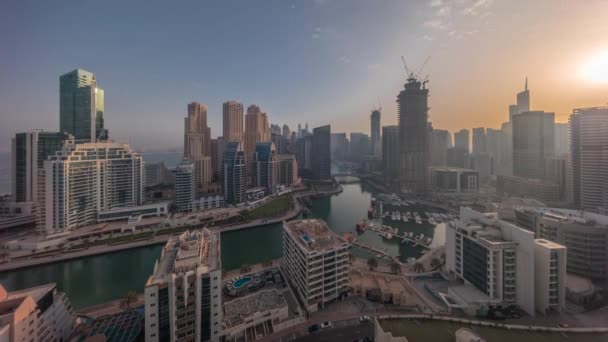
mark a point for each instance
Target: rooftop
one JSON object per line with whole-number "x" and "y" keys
{"x": 568, "y": 215}
{"x": 189, "y": 251}
{"x": 549, "y": 244}
{"x": 238, "y": 310}
{"x": 313, "y": 234}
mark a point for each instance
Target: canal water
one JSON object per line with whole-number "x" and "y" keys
{"x": 97, "y": 279}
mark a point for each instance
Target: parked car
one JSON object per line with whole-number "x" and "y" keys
{"x": 326, "y": 324}
{"x": 313, "y": 328}
{"x": 364, "y": 319}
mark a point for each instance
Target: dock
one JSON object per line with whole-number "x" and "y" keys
{"x": 386, "y": 229}
{"x": 376, "y": 250}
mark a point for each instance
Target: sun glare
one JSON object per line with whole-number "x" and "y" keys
{"x": 595, "y": 69}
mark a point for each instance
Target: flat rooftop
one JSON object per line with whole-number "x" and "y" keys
{"x": 187, "y": 252}
{"x": 549, "y": 244}
{"x": 238, "y": 310}
{"x": 568, "y": 215}
{"x": 36, "y": 292}
{"x": 488, "y": 233}
{"x": 313, "y": 234}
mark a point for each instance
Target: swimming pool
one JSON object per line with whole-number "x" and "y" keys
{"x": 241, "y": 282}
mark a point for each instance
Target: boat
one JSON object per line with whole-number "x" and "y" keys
{"x": 393, "y": 216}
{"x": 388, "y": 236}
{"x": 409, "y": 215}
{"x": 431, "y": 220}
{"x": 410, "y": 260}
{"x": 371, "y": 225}
{"x": 398, "y": 216}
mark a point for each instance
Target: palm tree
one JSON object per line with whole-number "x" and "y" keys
{"x": 129, "y": 299}
{"x": 418, "y": 267}
{"x": 372, "y": 263}
{"x": 396, "y": 268}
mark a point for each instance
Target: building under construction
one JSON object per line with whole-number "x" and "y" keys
{"x": 413, "y": 136}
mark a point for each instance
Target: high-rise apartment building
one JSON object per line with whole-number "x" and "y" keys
{"x": 504, "y": 263}
{"x": 339, "y": 146}
{"x": 461, "y": 140}
{"x": 233, "y": 121}
{"x": 479, "y": 141}
{"x": 321, "y": 154}
{"x": 359, "y": 146}
{"x": 256, "y": 130}
{"x": 286, "y": 132}
{"x": 589, "y": 158}
{"x": 440, "y": 142}
{"x": 158, "y": 174}
{"x": 185, "y": 185}
{"x": 234, "y": 174}
{"x": 413, "y": 136}
{"x": 316, "y": 262}
{"x": 446, "y": 179}
{"x": 523, "y": 100}
{"x": 81, "y": 106}
{"x": 29, "y": 151}
{"x": 375, "y": 138}
{"x": 562, "y": 139}
{"x": 82, "y": 179}
{"x": 183, "y": 296}
{"x": 533, "y": 141}
{"x": 390, "y": 153}
{"x": 197, "y": 142}
{"x": 264, "y": 168}
{"x": 217, "y": 154}
{"x": 288, "y": 170}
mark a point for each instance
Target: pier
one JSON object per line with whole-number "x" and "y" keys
{"x": 403, "y": 237}
{"x": 377, "y": 251}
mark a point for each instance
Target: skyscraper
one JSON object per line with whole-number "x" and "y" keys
{"x": 479, "y": 141}
{"x": 233, "y": 121}
{"x": 339, "y": 146}
{"x": 234, "y": 174}
{"x": 288, "y": 170}
{"x": 413, "y": 136}
{"x": 81, "y": 106}
{"x": 286, "y": 132}
{"x": 197, "y": 142}
{"x": 533, "y": 141}
{"x": 256, "y": 130}
{"x": 461, "y": 140}
{"x": 440, "y": 142}
{"x": 30, "y": 150}
{"x": 217, "y": 154}
{"x": 264, "y": 167}
{"x": 390, "y": 153}
{"x": 185, "y": 185}
{"x": 83, "y": 179}
{"x": 589, "y": 158}
{"x": 375, "y": 139}
{"x": 523, "y": 100}
{"x": 562, "y": 140}
{"x": 320, "y": 153}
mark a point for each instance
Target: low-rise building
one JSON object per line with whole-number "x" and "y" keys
{"x": 528, "y": 187}
{"x": 501, "y": 264}
{"x": 585, "y": 234}
{"x": 452, "y": 179}
{"x": 183, "y": 295}
{"x": 316, "y": 262}
{"x": 39, "y": 313}
{"x": 146, "y": 210}
{"x": 210, "y": 201}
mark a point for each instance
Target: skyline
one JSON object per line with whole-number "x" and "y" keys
{"x": 319, "y": 62}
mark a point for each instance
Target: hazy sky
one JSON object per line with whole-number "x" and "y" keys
{"x": 301, "y": 61}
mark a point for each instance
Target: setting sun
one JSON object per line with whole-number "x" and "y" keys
{"x": 595, "y": 69}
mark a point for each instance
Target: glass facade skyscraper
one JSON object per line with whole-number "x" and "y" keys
{"x": 264, "y": 167}
{"x": 234, "y": 174}
{"x": 81, "y": 106}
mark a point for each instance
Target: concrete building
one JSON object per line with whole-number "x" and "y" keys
{"x": 320, "y": 154}
{"x": 256, "y": 130}
{"x": 461, "y": 140}
{"x": 390, "y": 153}
{"x": 528, "y": 187}
{"x": 203, "y": 172}
{"x": 81, "y": 106}
{"x": 81, "y": 180}
{"x": 556, "y": 171}
{"x": 440, "y": 142}
{"x": 484, "y": 164}
{"x": 281, "y": 143}
{"x": 158, "y": 174}
{"x": 502, "y": 264}
{"x": 359, "y": 146}
{"x": 288, "y": 170}
{"x": 413, "y": 136}
{"x": 185, "y": 185}
{"x": 197, "y": 142}
{"x": 533, "y": 141}
{"x": 454, "y": 180}
{"x": 480, "y": 143}
{"x": 375, "y": 138}
{"x": 589, "y": 154}
{"x": 234, "y": 174}
{"x": 286, "y": 132}
{"x": 339, "y": 146}
{"x": 264, "y": 168}
{"x": 207, "y": 202}
{"x": 233, "y": 121}
{"x": 585, "y": 234}
{"x": 458, "y": 157}
{"x": 29, "y": 151}
{"x": 39, "y": 313}
{"x": 562, "y": 139}
{"x": 183, "y": 296}
{"x": 315, "y": 261}
{"x": 217, "y": 154}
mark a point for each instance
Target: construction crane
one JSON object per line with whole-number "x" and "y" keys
{"x": 411, "y": 74}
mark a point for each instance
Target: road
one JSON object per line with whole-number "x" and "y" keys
{"x": 342, "y": 331}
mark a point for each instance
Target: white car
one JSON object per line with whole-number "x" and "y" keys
{"x": 364, "y": 319}
{"x": 326, "y": 324}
